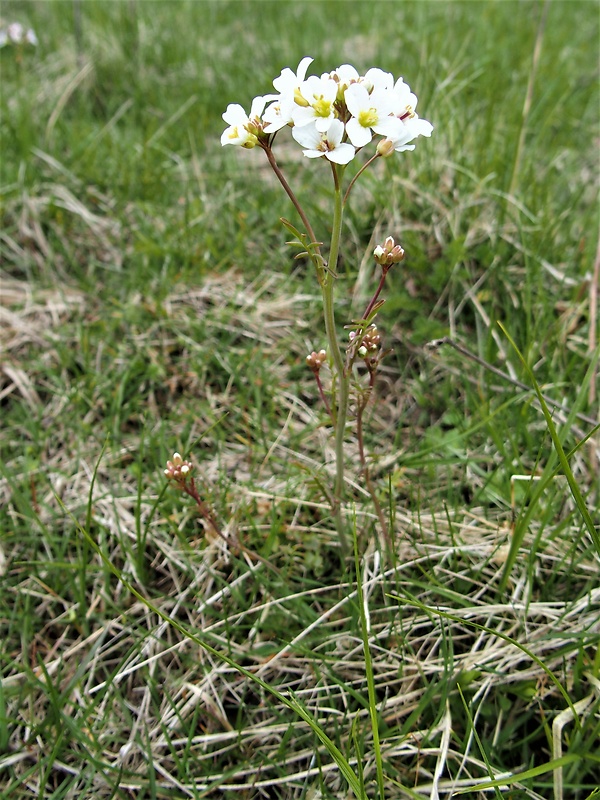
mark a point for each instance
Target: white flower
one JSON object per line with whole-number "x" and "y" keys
{"x": 376, "y": 78}
{"x": 15, "y": 33}
{"x": 405, "y": 101}
{"x": 279, "y": 113}
{"x": 370, "y": 112}
{"x": 343, "y": 76}
{"x": 289, "y": 81}
{"x": 243, "y": 128}
{"x": 315, "y": 103}
{"x": 324, "y": 143}
{"x": 346, "y": 74}
{"x": 411, "y": 128}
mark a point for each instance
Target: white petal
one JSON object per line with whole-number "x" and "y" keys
{"x": 302, "y": 115}
{"x": 376, "y": 78}
{"x": 390, "y": 127}
{"x": 235, "y": 115}
{"x": 258, "y": 106}
{"x": 303, "y": 67}
{"x": 288, "y": 80}
{"x": 358, "y": 135}
{"x": 420, "y": 127}
{"x": 307, "y": 136}
{"x": 346, "y": 73}
{"x": 403, "y": 95}
{"x": 277, "y": 116}
{"x": 323, "y": 124}
{"x": 335, "y": 132}
{"x": 382, "y": 100}
{"x": 357, "y": 98}
{"x": 343, "y": 154}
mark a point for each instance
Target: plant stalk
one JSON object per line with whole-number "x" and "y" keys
{"x": 342, "y": 383}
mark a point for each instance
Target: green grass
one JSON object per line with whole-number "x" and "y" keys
{"x": 150, "y": 304}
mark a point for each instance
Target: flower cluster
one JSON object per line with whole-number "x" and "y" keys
{"x": 388, "y": 253}
{"x": 178, "y": 469}
{"x": 334, "y": 115}
{"x": 316, "y": 360}
{"x": 15, "y": 33}
{"x": 369, "y": 341}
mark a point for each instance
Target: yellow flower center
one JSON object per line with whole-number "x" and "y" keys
{"x": 368, "y": 117}
{"x": 322, "y": 107}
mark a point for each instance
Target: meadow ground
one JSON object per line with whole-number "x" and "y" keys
{"x": 150, "y": 305}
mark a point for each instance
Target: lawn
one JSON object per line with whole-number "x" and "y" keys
{"x": 150, "y": 305}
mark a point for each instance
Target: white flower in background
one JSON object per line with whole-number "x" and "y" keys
{"x": 314, "y": 102}
{"x": 279, "y": 113}
{"x": 243, "y": 129}
{"x": 370, "y": 112}
{"x": 15, "y": 33}
{"x": 325, "y": 143}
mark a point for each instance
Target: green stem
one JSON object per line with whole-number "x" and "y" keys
{"x": 290, "y": 193}
{"x": 342, "y": 383}
{"x": 358, "y": 174}
{"x": 339, "y": 407}
{"x": 374, "y": 714}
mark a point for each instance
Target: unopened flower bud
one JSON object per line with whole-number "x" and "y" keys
{"x": 316, "y": 360}
{"x": 388, "y": 253}
{"x": 299, "y": 99}
{"x": 371, "y": 340}
{"x": 178, "y": 469}
{"x": 385, "y": 148}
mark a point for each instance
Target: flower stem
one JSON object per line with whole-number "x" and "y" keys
{"x": 342, "y": 383}
{"x": 373, "y": 300}
{"x": 288, "y": 190}
{"x": 358, "y": 174}
{"x": 365, "y": 467}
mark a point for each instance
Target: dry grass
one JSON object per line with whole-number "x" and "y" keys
{"x": 145, "y": 700}
{"x": 134, "y": 324}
